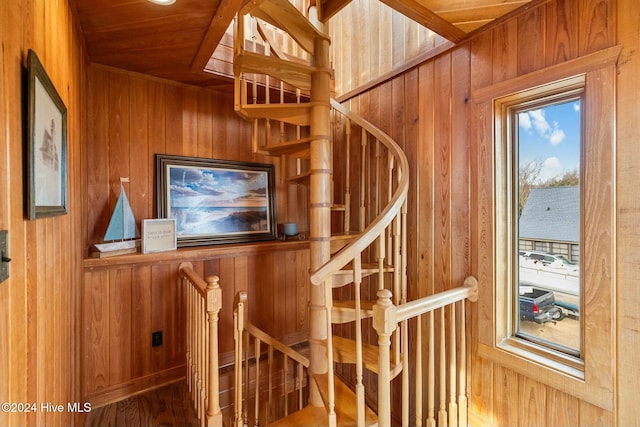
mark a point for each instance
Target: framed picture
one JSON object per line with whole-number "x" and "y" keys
{"x": 46, "y": 145}
{"x": 216, "y": 201}
{"x": 158, "y": 235}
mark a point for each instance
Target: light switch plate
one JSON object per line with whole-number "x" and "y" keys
{"x": 4, "y": 254}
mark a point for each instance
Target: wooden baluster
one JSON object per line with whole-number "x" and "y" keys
{"x": 257, "y": 344}
{"x": 357, "y": 281}
{"x": 270, "y": 391}
{"x": 247, "y": 377}
{"x": 331, "y": 404}
{"x": 390, "y": 231}
{"x": 431, "y": 389}
{"x": 419, "y": 380}
{"x": 203, "y": 363}
{"x": 462, "y": 397}
{"x": 187, "y": 289}
{"x": 381, "y": 256}
{"x": 363, "y": 186}
{"x": 239, "y": 320}
{"x": 347, "y": 180}
{"x": 442, "y": 413}
{"x": 404, "y": 342}
{"x": 214, "y": 305}
{"x": 453, "y": 406}
{"x": 286, "y": 390}
{"x": 378, "y": 178}
{"x": 300, "y": 385}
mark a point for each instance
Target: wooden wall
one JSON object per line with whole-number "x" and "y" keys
{"x": 392, "y": 40}
{"x": 125, "y": 299}
{"x": 39, "y": 308}
{"x": 430, "y": 110}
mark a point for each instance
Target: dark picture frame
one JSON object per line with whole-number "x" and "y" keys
{"x": 46, "y": 144}
{"x": 216, "y": 201}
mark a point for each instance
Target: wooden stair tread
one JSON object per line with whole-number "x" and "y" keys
{"x": 345, "y": 275}
{"x": 345, "y": 312}
{"x": 340, "y": 240}
{"x": 309, "y": 416}
{"x": 295, "y": 114}
{"x": 345, "y": 402}
{"x": 293, "y": 73}
{"x": 284, "y": 15}
{"x": 344, "y": 351}
{"x": 298, "y": 146}
{"x": 297, "y": 178}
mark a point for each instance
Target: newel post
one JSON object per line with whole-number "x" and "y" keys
{"x": 214, "y": 305}
{"x": 384, "y": 322}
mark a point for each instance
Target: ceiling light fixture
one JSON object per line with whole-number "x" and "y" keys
{"x": 163, "y": 2}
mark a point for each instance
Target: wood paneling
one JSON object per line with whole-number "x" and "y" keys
{"x": 451, "y": 202}
{"x": 125, "y": 299}
{"x": 124, "y": 304}
{"x": 39, "y": 309}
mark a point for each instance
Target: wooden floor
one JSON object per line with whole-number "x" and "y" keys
{"x": 163, "y": 407}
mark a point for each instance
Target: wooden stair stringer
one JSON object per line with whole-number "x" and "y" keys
{"x": 295, "y": 114}
{"x": 293, "y": 73}
{"x": 284, "y": 15}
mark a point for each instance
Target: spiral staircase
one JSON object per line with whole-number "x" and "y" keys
{"x": 358, "y": 250}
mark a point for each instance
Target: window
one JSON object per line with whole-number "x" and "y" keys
{"x": 546, "y": 145}
{"x": 583, "y": 364}
{"x": 539, "y": 144}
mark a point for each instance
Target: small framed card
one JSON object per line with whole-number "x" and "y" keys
{"x": 158, "y": 235}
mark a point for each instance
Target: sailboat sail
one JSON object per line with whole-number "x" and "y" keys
{"x": 122, "y": 224}
{"x": 122, "y": 228}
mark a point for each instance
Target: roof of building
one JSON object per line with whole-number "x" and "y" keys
{"x": 551, "y": 213}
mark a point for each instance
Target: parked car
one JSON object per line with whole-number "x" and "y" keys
{"x": 539, "y": 306}
{"x": 549, "y": 259}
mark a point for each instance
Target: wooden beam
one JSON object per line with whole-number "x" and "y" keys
{"x": 331, "y": 7}
{"x": 414, "y": 10}
{"x": 222, "y": 17}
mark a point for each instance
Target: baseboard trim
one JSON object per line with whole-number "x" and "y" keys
{"x": 136, "y": 386}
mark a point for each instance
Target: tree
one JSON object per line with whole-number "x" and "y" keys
{"x": 568, "y": 178}
{"x": 527, "y": 178}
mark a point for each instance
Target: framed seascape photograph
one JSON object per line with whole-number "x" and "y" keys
{"x": 46, "y": 145}
{"x": 216, "y": 201}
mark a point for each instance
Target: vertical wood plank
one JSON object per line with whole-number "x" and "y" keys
{"x": 627, "y": 214}
{"x": 531, "y": 43}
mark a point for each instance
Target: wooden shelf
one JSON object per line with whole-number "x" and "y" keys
{"x": 194, "y": 254}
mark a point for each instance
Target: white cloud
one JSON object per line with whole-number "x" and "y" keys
{"x": 576, "y": 106}
{"x": 524, "y": 121}
{"x": 557, "y": 136}
{"x": 551, "y": 167}
{"x": 540, "y": 122}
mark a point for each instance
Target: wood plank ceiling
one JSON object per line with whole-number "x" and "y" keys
{"x": 177, "y": 42}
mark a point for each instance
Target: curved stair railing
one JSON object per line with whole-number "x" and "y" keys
{"x": 278, "y": 93}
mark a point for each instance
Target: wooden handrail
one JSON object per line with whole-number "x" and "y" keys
{"x": 384, "y": 218}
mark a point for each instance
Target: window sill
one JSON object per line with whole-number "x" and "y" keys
{"x": 566, "y": 377}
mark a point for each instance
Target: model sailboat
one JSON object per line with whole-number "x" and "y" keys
{"x": 122, "y": 234}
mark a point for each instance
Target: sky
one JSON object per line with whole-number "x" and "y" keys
{"x": 551, "y": 135}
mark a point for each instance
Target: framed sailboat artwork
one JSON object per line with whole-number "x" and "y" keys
{"x": 122, "y": 235}
{"x": 46, "y": 145}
